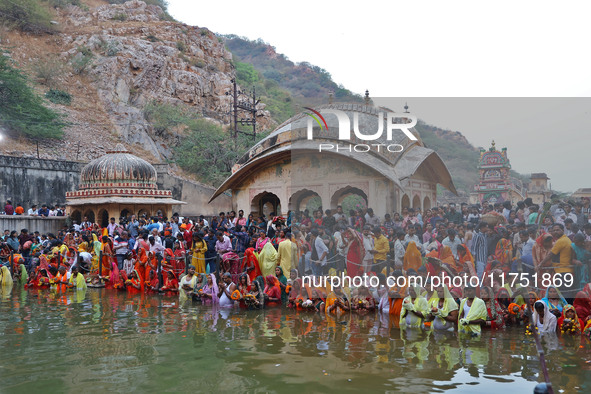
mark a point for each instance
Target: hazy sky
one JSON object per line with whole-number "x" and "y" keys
{"x": 445, "y": 49}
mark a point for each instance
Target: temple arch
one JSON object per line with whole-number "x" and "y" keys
{"x": 76, "y": 216}
{"x": 416, "y": 202}
{"x": 405, "y": 203}
{"x": 103, "y": 218}
{"x": 264, "y": 203}
{"x": 89, "y": 213}
{"x": 349, "y": 197}
{"x": 426, "y": 203}
{"x": 305, "y": 199}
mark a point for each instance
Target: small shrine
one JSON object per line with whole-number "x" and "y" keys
{"x": 496, "y": 185}
{"x": 118, "y": 185}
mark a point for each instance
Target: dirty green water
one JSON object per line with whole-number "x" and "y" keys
{"x": 104, "y": 340}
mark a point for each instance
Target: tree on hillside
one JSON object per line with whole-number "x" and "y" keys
{"x": 21, "y": 110}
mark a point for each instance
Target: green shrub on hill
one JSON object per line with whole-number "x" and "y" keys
{"x": 278, "y": 101}
{"x": 23, "y": 111}
{"x": 29, "y": 16}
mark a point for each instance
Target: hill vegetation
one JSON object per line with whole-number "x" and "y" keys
{"x": 23, "y": 111}
{"x": 308, "y": 84}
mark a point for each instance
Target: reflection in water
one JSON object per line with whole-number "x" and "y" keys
{"x": 106, "y": 340}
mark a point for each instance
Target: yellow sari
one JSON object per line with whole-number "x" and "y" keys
{"x": 419, "y": 305}
{"x": 268, "y": 260}
{"x": 449, "y": 305}
{"x": 78, "y": 281}
{"x": 5, "y": 277}
{"x": 477, "y": 311}
{"x": 198, "y": 259}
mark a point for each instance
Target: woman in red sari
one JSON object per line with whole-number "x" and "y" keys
{"x": 495, "y": 319}
{"x": 272, "y": 291}
{"x": 171, "y": 283}
{"x": 569, "y": 322}
{"x": 136, "y": 283}
{"x": 115, "y": 279}
{"x": 250, "y": 264}
{"x": 582, "y": 303}
{"x": 244, "y": 288}
{"x": 355, "y": 253}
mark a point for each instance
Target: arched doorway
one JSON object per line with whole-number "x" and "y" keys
{"x": 265, "y": 203}
{"x": 125, "y": 214}
{"x": 89, "y": 214}
{"x": 405, "y": 203}
{"x": 76, "y": 216}
{"x": 143, "y": 213}
{"x": 350, "y": 198}
{"x": 305, "y": 199}
{"x": 426, "y": 203}
{"x": 103, "y": 218}
{"x": 416, "y": 202}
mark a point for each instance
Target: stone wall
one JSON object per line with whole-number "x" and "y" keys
{"x": 30, "y": 181}
{"x": 32, "y": 223}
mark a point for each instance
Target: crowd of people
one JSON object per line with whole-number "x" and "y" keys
{"x": 259, "y": 262}
{"x": 43, "y": 211}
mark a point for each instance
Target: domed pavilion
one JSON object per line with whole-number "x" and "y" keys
{"x": 307, "y": 158}
{"x": 118, "y": 185}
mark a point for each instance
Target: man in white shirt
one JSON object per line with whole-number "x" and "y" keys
{"x": 111, "y": 227}
{"x": 342, "y": 246}
{"x": 452, "y": 241}
{"x": 371, "y": 219}
{"x": 368, "y": 245}
{"x": 33, "y": 211}
{"x": 399, "y": 250}
{"x": 321, "y": 252}
{"x": 339, "y": 215}
{"x": 155, "y": 247}
{"x": 413, "y": 237}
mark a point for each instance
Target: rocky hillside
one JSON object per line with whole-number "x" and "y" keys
{"x": 307, "y": 83}
{"x": 133, "y": 75}
{"x": 114, "y": 60}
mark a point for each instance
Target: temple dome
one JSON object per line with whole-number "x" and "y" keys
{"x": 118, "y": 168}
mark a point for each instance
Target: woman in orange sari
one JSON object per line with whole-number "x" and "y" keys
{"x": 540, "y": 250}
{"x": 466, "y": 260}
{"x": 107, "y": 249}
{"x": 504, "y": 252}
{"x": 412, "y": 257}
{"x": 447, "y": 258}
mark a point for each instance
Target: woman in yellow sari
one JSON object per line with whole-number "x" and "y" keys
{"x": 77, "y": 281}
{"x": 473, "y": 313}
{"x": 268, "y": 259}
{"x": 198, "y": 258}
{"x": 337, "y": 302}
{"x": 414, "y": 309}
{"x": 412, "y": 257}
{"x": 5, "y": 277}
{"x": 443, "y": 310}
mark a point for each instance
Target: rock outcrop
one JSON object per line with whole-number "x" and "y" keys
{"x": 135, "y": 56}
